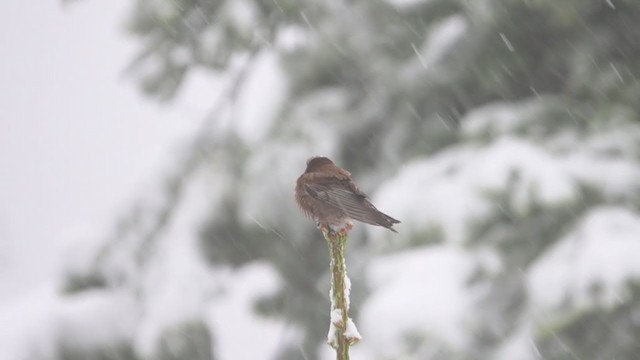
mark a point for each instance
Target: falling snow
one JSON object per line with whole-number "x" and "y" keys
{"x": 504, "y": 136}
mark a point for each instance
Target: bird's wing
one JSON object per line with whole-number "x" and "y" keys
{"x": 341, "y": 195}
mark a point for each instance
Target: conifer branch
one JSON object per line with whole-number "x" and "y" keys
{"x": 342, "y": 330}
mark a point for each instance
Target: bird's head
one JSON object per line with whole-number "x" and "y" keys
{"x": 317, "y": 162}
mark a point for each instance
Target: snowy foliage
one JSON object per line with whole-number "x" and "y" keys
{"x": 504, "y": 136}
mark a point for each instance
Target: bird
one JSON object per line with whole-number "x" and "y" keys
{"x": 327, "y": 194}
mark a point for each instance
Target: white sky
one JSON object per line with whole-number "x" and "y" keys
{"x": 77, "y": 139}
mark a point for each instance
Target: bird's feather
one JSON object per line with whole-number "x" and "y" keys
{"x": 351, "y": 201}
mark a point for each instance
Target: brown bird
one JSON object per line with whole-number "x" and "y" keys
{"x": 326, "y": 193}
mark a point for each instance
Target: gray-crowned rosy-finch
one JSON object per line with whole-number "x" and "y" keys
{"x": 326, "y": 193}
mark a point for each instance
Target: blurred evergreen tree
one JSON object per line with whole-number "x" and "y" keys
{"x": 375, "y": 85}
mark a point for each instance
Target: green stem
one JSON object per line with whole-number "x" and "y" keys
{"x": 340, "y": 339}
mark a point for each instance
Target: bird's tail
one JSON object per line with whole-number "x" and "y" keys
{"x": 377, "y": 217}
{"x": 387, "y": 221}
